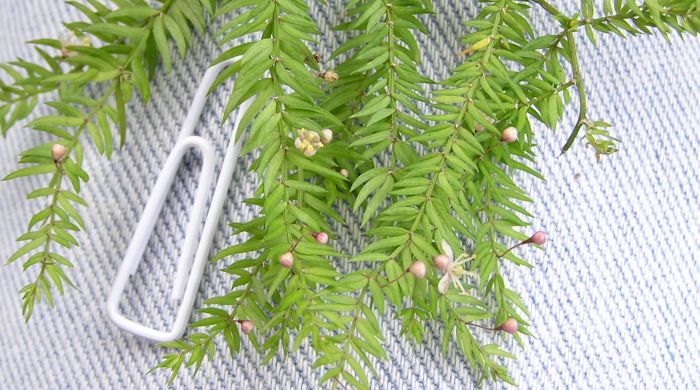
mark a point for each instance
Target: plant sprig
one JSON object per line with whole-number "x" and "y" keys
{"x": 434, "y": 174}
{"x": 460, "y": 190}
{"x": 297, "y": 187}
{"x": 119, "y": 48}
{"x": 620, "y": 17}
{"x": 386, "y": 53}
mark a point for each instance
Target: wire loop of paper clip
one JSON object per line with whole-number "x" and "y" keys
{"x": 196, "y": 246}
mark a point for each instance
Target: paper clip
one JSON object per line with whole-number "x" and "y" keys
{"x": 190, "y": 266}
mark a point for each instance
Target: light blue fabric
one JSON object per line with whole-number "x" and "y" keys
{"x": 614, "y": 298}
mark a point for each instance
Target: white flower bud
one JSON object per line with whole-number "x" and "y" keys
{"x": 321, "y": 237}
{"x": 287, "y": 260}
{"x": 417, "y": 269}
{"x": 442, "y": 262}
{"x": 510, "y": 326}
{"x": 326, "y": 136}
{"x": 247, "y": 326}
{"x": 58, "y": 151}
{"x": 538, "y": 238}
{"x": 509, "y": 135}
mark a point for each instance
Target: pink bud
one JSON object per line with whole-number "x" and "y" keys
{"x": 58, "y": 151}
{"x": 509, "y": 135}
{"x": 247, "y": 326}
{"x": 417, "y": 269}
{"x": 287, "y": 260}
{"x": 442, "y": 262}
{"x": 510, "y": 326}
{"x": 344, "y": 172}
{"x": 538, "y": 238}
{"x": 321, "y": 237}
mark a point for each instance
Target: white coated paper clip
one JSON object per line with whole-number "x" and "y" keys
{"x": 193, "y": 257}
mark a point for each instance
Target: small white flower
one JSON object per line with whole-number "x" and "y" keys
{"x": 454, "y": 270}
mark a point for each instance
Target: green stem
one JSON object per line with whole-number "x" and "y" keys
{"x": 491, "y": 219}
{"x": 550, "y": 9}
{"x": 396, "y": 279}
{"x": 57, "y": 179}
{"x": 166, "y": 6}
{"x": 279, "y": 92}
{"x": 633, "y": 15}
{"x": 391, "y": 83}
{"x": 351, "y": 331}
{"x": 583, "y": 100}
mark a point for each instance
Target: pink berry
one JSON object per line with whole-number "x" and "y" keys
{"x": 321, "y": 238}
{"x": 287, "y": 260}
{"x": 538, "y": 238}
{"x": 442, "y": 262}
{"x": 417, "y": 269}
{"x": 509, "y": 135}
{"x": 510, "y": 326}
{"x": 247, "y": 326}
{"x": 58, "y": 151}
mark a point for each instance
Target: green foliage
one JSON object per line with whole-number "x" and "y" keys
{"x": 619, "y": 17}
{"x": 432, "y": 182}
{"x": 296, "y": 192}
{"x": 117, "y": 53}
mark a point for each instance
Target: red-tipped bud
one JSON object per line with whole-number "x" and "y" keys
{"x": 321, "y": 237}
{"x": 538, "y": 238}
{"x": 344, "y": 172}
{"x": 509, "y": 135}
{"x": 287, "y": 260}
{"x": 442, "y": 262}
{"x": 417, "y": 269}
{"x": 247, "y": 326}
{"x": 510, "y": 326}
{"x": 58, "y": 151}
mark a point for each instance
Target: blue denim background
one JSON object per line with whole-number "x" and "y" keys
{"x": 614, "y": 297}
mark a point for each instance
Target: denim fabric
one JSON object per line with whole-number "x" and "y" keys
{"x": 614, "y": 297}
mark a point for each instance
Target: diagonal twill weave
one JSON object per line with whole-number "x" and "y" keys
{"x": 613, "y": 298}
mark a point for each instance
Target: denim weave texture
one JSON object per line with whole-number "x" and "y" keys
{"x": 613, "y": 297}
